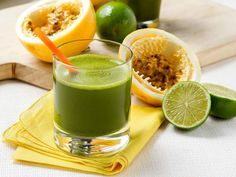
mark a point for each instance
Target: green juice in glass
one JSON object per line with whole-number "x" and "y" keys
{"x": 147, "y": 12}
{"x": 94, "y": 102}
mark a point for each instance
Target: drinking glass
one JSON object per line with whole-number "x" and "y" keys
{"x": 147, "y": 12}
{"x": 92, "y": 98}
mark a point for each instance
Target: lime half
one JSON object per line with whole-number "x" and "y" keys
{"x": 187, "y": 104}
{"x": 223, "y": 101}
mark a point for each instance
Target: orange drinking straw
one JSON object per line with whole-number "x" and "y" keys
{"x": 52, "y": 47}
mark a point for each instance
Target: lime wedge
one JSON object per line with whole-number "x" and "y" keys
{"x": 186, "y": 105}
{"x": 223, "y": 101}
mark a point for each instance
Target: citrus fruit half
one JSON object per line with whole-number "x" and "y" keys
{"x": 187, "y": 104}
{"x": 61, "y": 21}
{"x": 223, "y": 101}
{"x": 115, "y": 20}
{"x": 160, "y": 61}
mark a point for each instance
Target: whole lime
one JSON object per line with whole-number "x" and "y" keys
{"x": 115, "y": 20}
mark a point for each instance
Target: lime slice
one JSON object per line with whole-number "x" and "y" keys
{"x": 223, "y": 101}
{"x": 187, "y": 104}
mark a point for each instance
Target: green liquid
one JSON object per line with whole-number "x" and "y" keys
{"x": 145, "y": 10}
{"x": 92, "y": 103}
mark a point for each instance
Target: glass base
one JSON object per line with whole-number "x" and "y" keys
{"x": 149, "y": 24}
{"x": 92, "y": 146}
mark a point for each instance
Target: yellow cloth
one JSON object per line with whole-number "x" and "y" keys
{"x": 33, "y": 136}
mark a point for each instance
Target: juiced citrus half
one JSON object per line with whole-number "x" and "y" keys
{"x": 160, "y": 61}
{"x": 62, "y": 21}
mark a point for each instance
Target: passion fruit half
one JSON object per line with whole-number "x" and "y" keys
{"x": 61, "y": 21}
{"x": 160, "y": 61}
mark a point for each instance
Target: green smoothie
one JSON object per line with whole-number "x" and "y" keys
{"x": 94, "y": 102}
{"x": 145, "y": 10}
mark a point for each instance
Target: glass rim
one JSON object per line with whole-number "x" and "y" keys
{"x": 99, "y": 40}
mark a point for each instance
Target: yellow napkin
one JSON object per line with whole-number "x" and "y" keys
{"x": 33, "y": 136}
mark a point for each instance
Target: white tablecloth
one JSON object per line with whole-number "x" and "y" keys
{"x": 209, "y": 151}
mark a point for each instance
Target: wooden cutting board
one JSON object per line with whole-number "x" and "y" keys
{"x": 208, "y": 28}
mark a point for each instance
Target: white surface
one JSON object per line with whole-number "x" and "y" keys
{"x": 209, "y": 151}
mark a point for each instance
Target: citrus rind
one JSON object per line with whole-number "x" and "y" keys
{"x": 223, "y": 101}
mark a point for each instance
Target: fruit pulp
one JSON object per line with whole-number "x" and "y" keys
{"x": 94, "y": 102}
{"x": 145, "y": 10}
{"x": 187, "y": 104}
